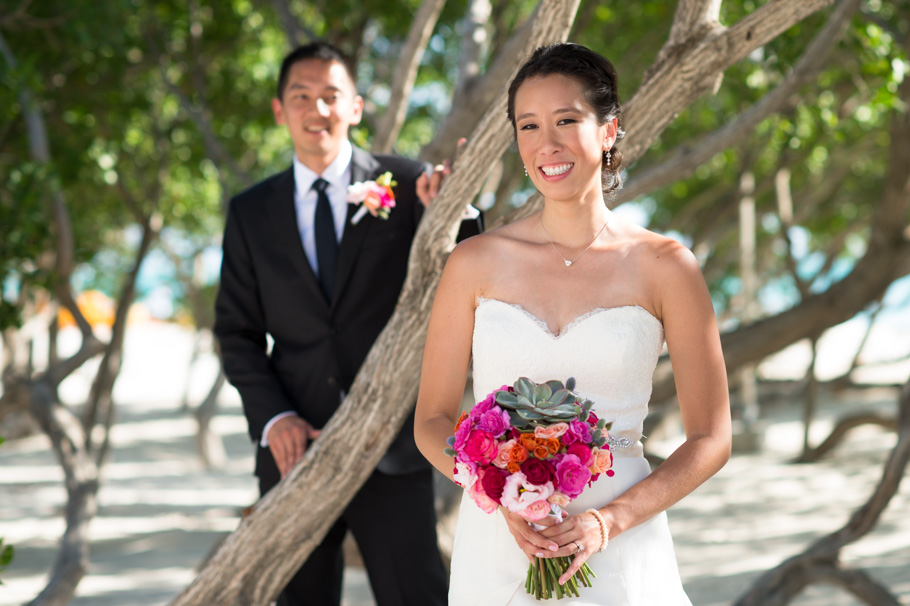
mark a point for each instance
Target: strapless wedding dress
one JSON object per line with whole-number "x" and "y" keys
{"x": 612, "y": 353}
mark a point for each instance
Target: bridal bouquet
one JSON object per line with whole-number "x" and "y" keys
{"x": 532, "y": 448}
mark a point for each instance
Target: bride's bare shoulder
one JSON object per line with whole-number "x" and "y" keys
{"x": 492, "y": 246}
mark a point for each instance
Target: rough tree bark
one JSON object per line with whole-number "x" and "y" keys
{"x": 408, "y": 61}
{"x": 820, "y": 562}
{"x": 256, "y": 561}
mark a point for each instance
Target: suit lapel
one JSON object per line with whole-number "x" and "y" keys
{"x": 283, "y": 217}
{"x": 364, "y": 167}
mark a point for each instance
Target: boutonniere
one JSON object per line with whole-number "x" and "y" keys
{"x": 373, "y": 196}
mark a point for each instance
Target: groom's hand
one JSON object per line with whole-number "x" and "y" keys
{"x": 429, "y": 184}
{"x": 288, "y": 440}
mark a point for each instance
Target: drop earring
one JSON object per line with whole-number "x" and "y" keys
{"x": 608, "y": 158}
{"x": 526, "y": 170}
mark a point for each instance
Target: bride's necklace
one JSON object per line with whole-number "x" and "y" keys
{"x": 568, "y": 262}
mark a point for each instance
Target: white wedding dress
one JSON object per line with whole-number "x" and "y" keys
{"x": 612, "y": 353}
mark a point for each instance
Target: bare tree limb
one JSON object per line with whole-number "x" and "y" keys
{"x": 474, "y": 44}
{"x": 295, "y": 31}
{"x": 81, "y": 481}
{"x": 819, "y": 562}
{"x": 421, "y": 29}
{"x": 680, "y": 163}
{"x": 478, "y": 97}
{"x": 691, "y": 69}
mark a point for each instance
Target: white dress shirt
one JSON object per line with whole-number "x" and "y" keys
{"x": 338, "y": 174}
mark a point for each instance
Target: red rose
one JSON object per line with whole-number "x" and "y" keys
{"x": 592, "y": 419}
{"x": 538, "y": 472}
{"x": 493, "y": 481}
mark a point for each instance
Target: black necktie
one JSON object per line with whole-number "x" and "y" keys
{"x": 326, "y": 242}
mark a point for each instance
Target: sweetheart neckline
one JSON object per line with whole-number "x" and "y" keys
{"x": 568, "y": 327}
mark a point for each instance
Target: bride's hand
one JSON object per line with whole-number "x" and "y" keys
{"x": 579, "y": 536}
{"x": 531, "y": 542}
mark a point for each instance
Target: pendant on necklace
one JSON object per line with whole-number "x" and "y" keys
{"x": 568, "y": 263}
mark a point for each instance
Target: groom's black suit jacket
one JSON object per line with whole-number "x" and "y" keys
{"x": 268, "y": 287}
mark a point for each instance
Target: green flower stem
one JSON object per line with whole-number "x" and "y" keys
{"x": 542, "y": 580}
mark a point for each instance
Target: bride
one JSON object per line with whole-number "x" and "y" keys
{"x": 574, "y": 290}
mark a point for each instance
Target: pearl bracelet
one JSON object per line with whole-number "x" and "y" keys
{"x": 604, "y": 539}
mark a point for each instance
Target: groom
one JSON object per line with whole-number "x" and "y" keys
{"x": 298, "y": 268}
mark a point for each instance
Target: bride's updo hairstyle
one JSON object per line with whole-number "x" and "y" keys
{"x": 597, "y": 77}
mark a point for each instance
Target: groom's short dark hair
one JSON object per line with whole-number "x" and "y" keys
{"x": 319, "y": 49}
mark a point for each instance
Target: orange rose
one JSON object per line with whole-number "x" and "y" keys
{"x": 519, "y": 453}
{"x": 553, "y": 445}
{"x": 513, "y": 467}
{"x": 528, "y": 441}
{"x": 461, "y": 419}
{"x": 541, "y": 451}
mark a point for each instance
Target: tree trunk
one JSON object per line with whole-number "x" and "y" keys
{"x": 255, "y": 562}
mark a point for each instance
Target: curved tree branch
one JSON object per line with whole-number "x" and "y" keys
{"x": 421, "y": 29}
{"x": 680, "y": 163}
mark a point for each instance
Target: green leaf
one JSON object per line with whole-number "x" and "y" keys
{"x": 525, "y": 402}
{"x": 525, "y": 387}
{"x": 570, "y": 384}
{"x": 555, "y": 386}
{"x": 449, "y": 452}
{"x": 560, "y": 395}
{"x": 542, "y": 393}
{"x": 530, "y": 415}
{"x": 507, "y": 398}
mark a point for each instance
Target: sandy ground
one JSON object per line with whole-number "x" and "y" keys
{"x": 161, "y": 511}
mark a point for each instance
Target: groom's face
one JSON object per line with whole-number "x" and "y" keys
{"x": 318, "y": 105}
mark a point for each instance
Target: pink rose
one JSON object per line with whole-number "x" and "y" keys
{"x": 465, "y": 473}
{"x": 535, "y": 511}
{"x": 552, "y": 431}
{"x": 481, "y": 447}
{"x": 495, "y": 421}
{"x": 518, "y": 493}
{"x": 560, "y": 499}
{"x": 483, "y": 501}
{"x": 603, "y": 460}
{"x": 502, "y": 458}
{"x": 483, "y": 406}
{"x": 537, "y": 471}
{"x": 580, "y": 430}
{"x": 571, "y": 475}
{"x": 493, "y": 481}
{"x": 581, "y": 451}
{"x": 461, "y": 434}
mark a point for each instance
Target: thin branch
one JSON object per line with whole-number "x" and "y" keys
{"x": 405, "y": 74}
{"x": 295, "y": 31}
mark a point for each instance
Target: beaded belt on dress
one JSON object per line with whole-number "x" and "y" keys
{"x": 621, "y": 446}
